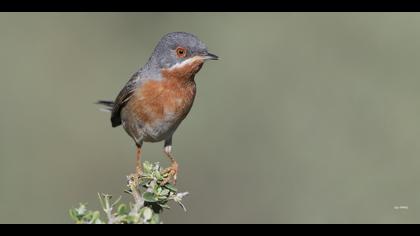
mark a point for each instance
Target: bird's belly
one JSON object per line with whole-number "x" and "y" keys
{"x": 160, "y": 114}
{"x": 159, "y": 130}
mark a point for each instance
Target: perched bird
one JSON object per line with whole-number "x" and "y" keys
{"x": 159, "y": 96}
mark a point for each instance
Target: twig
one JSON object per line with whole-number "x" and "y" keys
{"x": 147, "y": 207}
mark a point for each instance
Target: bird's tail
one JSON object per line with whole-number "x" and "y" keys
{"x": 109, "y": 105}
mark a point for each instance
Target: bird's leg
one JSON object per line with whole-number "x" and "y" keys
{"x": 173, "y": 170}
{"x": 139, "y": 168}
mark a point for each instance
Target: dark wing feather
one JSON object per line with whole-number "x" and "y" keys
{"x": 122, "y": 98}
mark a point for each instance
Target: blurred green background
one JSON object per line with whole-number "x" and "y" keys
{"x": 307, "y": 117}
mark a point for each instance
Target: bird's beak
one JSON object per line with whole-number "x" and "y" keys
{"x": 210, "y": 56}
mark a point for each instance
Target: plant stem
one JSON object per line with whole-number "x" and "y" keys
{"x": 138, "y": 200}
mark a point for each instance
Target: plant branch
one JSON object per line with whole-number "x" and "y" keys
{"x": 150, "y": 199}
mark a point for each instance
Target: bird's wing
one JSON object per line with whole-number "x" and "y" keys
{"x": 123, "y": 97}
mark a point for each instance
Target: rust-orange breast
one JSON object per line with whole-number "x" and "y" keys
{"x": 169, "y": 99}
{"x": 165, "y": 99}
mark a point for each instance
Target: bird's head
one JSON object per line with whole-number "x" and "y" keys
{"x": 181, "y": 53}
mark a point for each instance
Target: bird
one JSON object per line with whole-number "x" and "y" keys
{"x": 159, "y": 96}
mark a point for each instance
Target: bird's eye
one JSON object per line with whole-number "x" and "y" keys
{"x": 181, "y": 52}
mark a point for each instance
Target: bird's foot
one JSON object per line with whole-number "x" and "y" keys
{"x": 170, "y": 174}
{"x": 136, "y": 176}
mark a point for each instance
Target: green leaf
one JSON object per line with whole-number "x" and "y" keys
{"x": 81, "y": 210}
{"x": 98, "y": 222}
{"x": 95, "y": 216}
{"x": 122, "y": 209}
{"x": 158, "y": 175}
{"x": 155, "y": 219}
{"x": 73, "y": 215}
{"x": 130, "y": 219}
{"x": 147, "y": 167}
{"x": 165, "y": 206}
{"x": 149, "y": 197}
{"x": 143, "y": 182}
{"x": 171, "y": 187}
{"x": 164, "y": 192}
{"x": 147, "y": 213}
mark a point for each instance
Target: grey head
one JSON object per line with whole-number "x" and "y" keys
{"x": 175, "y": 48}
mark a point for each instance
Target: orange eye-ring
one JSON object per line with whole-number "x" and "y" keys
{"x": 181, "y": 52}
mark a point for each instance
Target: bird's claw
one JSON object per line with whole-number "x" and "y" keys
{"x": 171, "y": 174}
{"x": 134, "y": 178}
